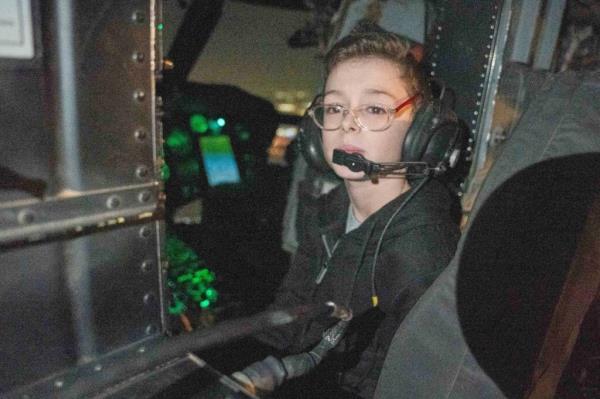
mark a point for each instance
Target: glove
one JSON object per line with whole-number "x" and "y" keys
{"x": 263, "y": 376}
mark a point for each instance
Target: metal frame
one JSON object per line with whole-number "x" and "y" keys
{"x": 465, "y": 57}
{"x": 491, "y": 82}
{"x": 86, "y": 258}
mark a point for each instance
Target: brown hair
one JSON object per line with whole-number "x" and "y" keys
{"x": 368, "y": 40}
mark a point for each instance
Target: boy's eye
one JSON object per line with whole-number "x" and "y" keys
{"x": 332, "y": 109}
{"x": 375, "y": 109}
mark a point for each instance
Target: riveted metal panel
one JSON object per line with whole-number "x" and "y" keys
{"x": 116, "y": 92}
{"x": 124, "y": 271}
{"x": 462, "y": 45}
{"x": 79, "y": 119}
{"x": 75, "y": 300}
{"x": 465, "y": 48}
{"x": 79, "y": 195}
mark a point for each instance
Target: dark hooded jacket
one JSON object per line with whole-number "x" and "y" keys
{"x": 417, "y": 245}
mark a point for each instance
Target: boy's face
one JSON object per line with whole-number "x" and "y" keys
{"x": 359, "y": 82}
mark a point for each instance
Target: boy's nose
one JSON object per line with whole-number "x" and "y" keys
{"x": 349, "y": 123}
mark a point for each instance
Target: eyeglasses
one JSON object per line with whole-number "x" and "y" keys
{"x": 372, "y": 117}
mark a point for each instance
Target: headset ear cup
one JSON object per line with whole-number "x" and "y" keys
{"x": 441, "y": 150}
{"x": 436, "y": 137}
{"x": 310, "y": 145}
{"x": 417, "y": 136}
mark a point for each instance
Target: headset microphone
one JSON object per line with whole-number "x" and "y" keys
{"x": 357, "y": 163}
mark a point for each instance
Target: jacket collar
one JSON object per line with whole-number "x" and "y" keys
{"x": 333, "y": 208}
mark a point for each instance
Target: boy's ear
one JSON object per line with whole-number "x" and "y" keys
{"x": 418, "y": 51}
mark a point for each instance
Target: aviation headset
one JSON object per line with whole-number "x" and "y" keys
{"x": 435, "y": 137}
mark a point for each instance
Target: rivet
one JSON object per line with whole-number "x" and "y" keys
{"x": 475, "y": 112}
{"x": 138, "y": 16}
{"x": 145, "y": 232}
{"x": 146, "y": 266}
{"x": 26, "y": 216}
{"x": 113, "y": 202}
{"x": 473, "y": 121}
{"x": 491, "y": 36}
{"x": 59, "y": 383}
{"x": 437, "y": 37}
{"x": 432, "y": 73}
{"x": 144, "y": 196}
{"x": 141, "y": 349}
{"x": 433, "y": 64}
{"x": 141, "y": 171}
{"x": 149, "y": 298}
{"x": 138, "y": 56}
{"x": 98, "y": 367}
{"x": 479, "y": 94}
{"x": 439, "y": 27}
{"x": 140, "y": 134}
{"x": 139, "y": 95}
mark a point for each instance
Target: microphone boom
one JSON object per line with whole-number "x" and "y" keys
{"x": 357, "y": 163}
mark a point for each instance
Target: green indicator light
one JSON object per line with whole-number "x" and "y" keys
{"x": 176, "y": 139}
{"x": 179, "y": 142}
{"x": 214, "y": 127}
{"x": 221, "y": 122}
{"x": 177, "y": 307}
{"x": 160, "y": 26}
{"x": 204, "y": 304}
{"x": 211, "y": 294}
{"x": 199, "y": 123}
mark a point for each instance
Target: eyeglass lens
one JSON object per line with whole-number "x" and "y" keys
{"x": 371, "y": 117}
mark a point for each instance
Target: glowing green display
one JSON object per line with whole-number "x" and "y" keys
{"x": 189, "y": 281}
